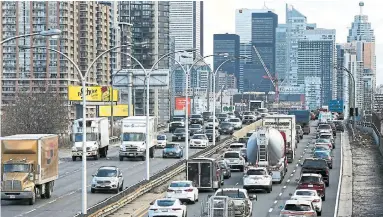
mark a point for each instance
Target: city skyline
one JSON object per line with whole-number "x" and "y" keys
{"x": 341, "y": 24}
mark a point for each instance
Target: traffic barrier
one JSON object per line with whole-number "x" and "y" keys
{"x": 248, "y": 128}
{"x": 112, "y": 204}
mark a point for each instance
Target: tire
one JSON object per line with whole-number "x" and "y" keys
{"x": 193, "y": 201}
{"x": 121, "y": 158}
{"x": 97, "y": 156}
{"x": 327, "y": 183}
{"x": 117, "y": 189}
{"x": 268, "y": 190}
{"x": 319, "y": 213}
{"x": 74, "y": 158}
{"x": 143, "y": 158}
{"x": 151, "y": 152}
{"x": 48, "y": 190}
{"x": 324, "y": 198}
{"x": 92, "y": 190}
{"x": 32, "y": 200}
{"x": 271, "y": 187}
{"x": 330, "y": 167}
{"x": 242, "y": 169}
{"x": 122, "y": 187}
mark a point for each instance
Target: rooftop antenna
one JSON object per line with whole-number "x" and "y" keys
{"x": 361, "y": 4}
{"x": 264, "y": 5}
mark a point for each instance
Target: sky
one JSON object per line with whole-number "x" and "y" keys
{"x": 219, "y": 17}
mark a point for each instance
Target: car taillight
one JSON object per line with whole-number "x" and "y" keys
{"x": 170, "y": 190}
{"x": 154, "y": 209}
{"x": 316, "y": 200}
{"x": 176, "y": 209}
{"x": 189, "y": 190}
{"x": 326, "y": 172}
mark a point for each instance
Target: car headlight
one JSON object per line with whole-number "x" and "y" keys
{"x": 74, "y": 148}
{"x": 28, "y": 188}
{"x": 141, "y": 149}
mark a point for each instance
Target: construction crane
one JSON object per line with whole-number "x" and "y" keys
{"x": 276, "y": 81}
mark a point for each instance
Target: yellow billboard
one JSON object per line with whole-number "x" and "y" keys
{"x": 93, "y": 93}
{"x": 118, "y": 110}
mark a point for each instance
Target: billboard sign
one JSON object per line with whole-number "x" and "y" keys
{"x": 118, "y": 110}
{"x": 336, "y": 106}
{"x": 180, "y": 104}
{"x": 93, "y": 93}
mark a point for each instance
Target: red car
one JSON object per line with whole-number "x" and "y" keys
{"x": 313, "y": 181}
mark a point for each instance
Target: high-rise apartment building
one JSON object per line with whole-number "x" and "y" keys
{"x": 245, "y": 50}
{"x": 313, "y": 87}
{"x": 263, "y": 37}
{"x": 229, "y": 45}
{"x": 85, "y": 33}
{"x": 186, "y": 26}
{"x": 281, "y": 52}
{"x": 225, "y": 81}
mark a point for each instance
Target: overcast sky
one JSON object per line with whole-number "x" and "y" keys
{"x": 219, "y": 17}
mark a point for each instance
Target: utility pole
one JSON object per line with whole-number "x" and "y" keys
{"x": 221, "y": 97}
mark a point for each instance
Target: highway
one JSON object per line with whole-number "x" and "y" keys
{"x": 268, "y": 205}
{"x": 66, "y": 198}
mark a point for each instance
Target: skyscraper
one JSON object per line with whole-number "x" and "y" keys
{"x": 263, "y": 37}
{"x": 226, "y": 44}
{"x": 186, "y": 26}
{"x": 281, "y": 52}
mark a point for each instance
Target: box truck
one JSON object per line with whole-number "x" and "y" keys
{"x": 29, "y": 166}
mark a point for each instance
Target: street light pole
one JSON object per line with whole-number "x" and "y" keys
{"x": 353, "y": 97}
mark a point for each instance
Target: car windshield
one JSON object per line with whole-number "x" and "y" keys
{"x": 247, "y": 113}
{"x": 106, "y": 173}
{"x": 209, "y": 131}
{"x": 89, "y": 137}
{"x": 207, "y": 114}
{"x": 178, "y": 119}
{"x": 324, "y": 127}
{"x": 305, "y": 193}
{"x": 231, "y": 155}
{"x": 199, "y": 137}
{"x": 231, "y": 194}
{"x": 322, "y": 140}
{"x": 236, "y": 146}
{"x": 161, "y": 137}
{"x": 310, "y": 179}
{"x": 165, "y": 202}
{"x": 243, "y": 140}
{"x": 298, "y": 127}
{"x": 17, "y": 168}
{"x": 256, "y": 172}
{"x": 170, "y": 145}
{"x": 297, "y": 207}
{"x": 225, "y": 125}
{"x": 180, "y": 184}
{"x": 211, "y": 120}
{"x": 234, "y": 120}
{"x": 314, "y": 163}
{"x": 195, "y": 126}
{"x": 325, "y": 136}
{"x": 322, "y": 148}
{"x": 135, "y": 137}
{"x": 222, "y": 115}
{"x": 179, "y": 130}
{"x": 196, "y": 116}
{"x": 248, "y": 117}
{"x": 321, "y": 154}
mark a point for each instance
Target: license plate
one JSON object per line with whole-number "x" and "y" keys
{"x": 310, "y": 186}
{"x": 131, "y": 154}
{"x": 179, "y": 137}
{"x": 178, "y": 192}
{"x": 170, "y": 153}
{"x": 102, "y": 186}
{"x": 12, "y": 196}
{"x": 164, "y": 210}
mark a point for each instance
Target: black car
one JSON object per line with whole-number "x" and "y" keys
{"x": 333, "y": 127}
{"x": 179, "y": 134}
{"x": 339, "y": 126}
{"x": 206, "y": 115}
{"x": 319, "y": 166}
{"x": 209, "y": 134}
{"x": 196, "y": 119}
{"x": 177, "y": 122}
{"x": 195, "y": 129}
{"x": 226, "y": 128}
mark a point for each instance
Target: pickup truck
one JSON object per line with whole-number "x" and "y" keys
{"x": 242, "y": 200}
{"x": 319, "y": 166}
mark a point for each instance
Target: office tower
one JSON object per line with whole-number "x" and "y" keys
{"x": 150, "y": 32}
{"x": 227, "y": 44}
{"x": 245, "y": 50}
{"x": 296, "y": 24}
{"x": 281, "y": 52}
{"x": 312, "y": 88}
{"x": 186, "y": 26}
{"x": 85, "y": 33}
{"x": 263, "y": 37}
{"x": 316, "y": 58}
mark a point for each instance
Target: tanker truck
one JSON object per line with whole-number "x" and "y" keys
{"x": 266, "y": 148}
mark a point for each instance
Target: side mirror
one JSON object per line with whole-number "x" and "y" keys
{"x": 152, "y": 203}
{"x": 168, "y": 122}
{"x": 270, "y": 173}
{"x": 253, "y": 197}
{"x": 93, "y": 175}
{"x": 120, "y": 176}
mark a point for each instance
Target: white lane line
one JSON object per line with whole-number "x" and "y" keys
{"x": 30, "y": 211}
{"x": 288, "y": 180}
{"x": 291, "y": 175}
{"x": 280, "y": 194}
{"x": 271, "y": 209}
{"x": 275, "y": 202}
{"x": 301, "y": 156}
{"x": 284, "y": 187}
{"x": 52, "y": 201}
{"x": 293, "y": 171}
{"x": 296, "y": 165}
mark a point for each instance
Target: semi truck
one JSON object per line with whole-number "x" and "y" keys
{"x": 97, "y": 138}
{"x": 285, "y": 124}
{"x": 133, "y": 137}
{"x": 302, "y": 117}
{"x": 266, "y": 148}
{"x": 29, "y": 166}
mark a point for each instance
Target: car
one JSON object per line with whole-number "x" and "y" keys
{"x": 322, "y": 147}
{"x": 226, "y": 128}
{"x": 312, "y": 181}
{"x": 206, "y": 115}
{"x": 236, "y": 146}
{"x": 324, "y": 128}
{"x": 107, "y": 178}
{"x": 299, "y": 130}
{"x": 209, "y": 134}
{"x": 248, "y": 119}
{"x": 249, "y": 134}
{"x": 179, "y": 134}
{"x": 243, "y": 140}
{"x": 298, "y": 208}
{"x": 324, "y": 142}
{"x": 222, "y": 117}
{"x": 339, "y": 126}
{"x": 319, "y": 166}
{"x": 235, "y": 160}
{"x": 333, "y": 127}
{"x": 173, "y": 150}
{"x": 309, "y": 195}
{"x": 167, "y": 207}
{"x": 247, "y": 113}
{"x": 177, "y": 122}
{"x": 196, "y": 119}
{"x": 231, "y": 115}
{"x": 161, "y": 141}
{"x": 195, "y": 129}
{"x": 236, "y": 122}
{"x": 306, "y": 129}
{"x": 183, "y": 190}
{"x": 325, "y": 155}
{"x": 243, "y": 152}
{"x": 257, "y": 178}
{"x": 199, "y": 141}
{"x": 225, "y": 169}
{"x": 210, "y": 125}
{"x": 328, "y": 136}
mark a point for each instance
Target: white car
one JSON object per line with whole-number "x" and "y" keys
{"x": 236, "y": 146}
{"x": 161, "y": 141}
{"x": 257, "y": 178}
{"x": 291, "y": 207}
{"x": 183, "y": 190}
{"x": 107, "y": 178}
{"x": 235, "y": 160}
{"x": 236, "y": 122}
{"x": 209, "y": 124}
{"x": 309, "y": 195}
{"x": 231, "y": 115}
{"x": 199, "y": 141}
{"x": 167, "y": 207}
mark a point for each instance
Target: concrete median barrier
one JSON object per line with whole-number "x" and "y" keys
{"x": 242, "y": 132}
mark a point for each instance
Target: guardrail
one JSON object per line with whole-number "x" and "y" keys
{"x": 131, "y": 193}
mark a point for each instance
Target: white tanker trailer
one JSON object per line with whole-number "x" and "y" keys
{"x": 266, "y": 148}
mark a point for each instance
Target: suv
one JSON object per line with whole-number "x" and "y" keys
{"x": 258, "y": 178}
{"x": 248, "y": 119}
{"x": 177, "y": 122}
{"x": 196, "y": 119}
{"x": 107, "y": 179}
{"x": 206, "y": 115}
{"x": 235, "y": 160}
{"x": 319, "y": 166}
{"x": 312, "y": 181}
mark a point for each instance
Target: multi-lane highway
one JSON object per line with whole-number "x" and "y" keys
{"x": 268, "y": 205}
{"x": 66, "y": 198}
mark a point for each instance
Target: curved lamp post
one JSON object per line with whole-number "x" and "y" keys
{"x": 353, "y": 92}
{"x": 48, "y": 33}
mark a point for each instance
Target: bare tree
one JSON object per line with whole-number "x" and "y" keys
{"x": 36, "y": 113}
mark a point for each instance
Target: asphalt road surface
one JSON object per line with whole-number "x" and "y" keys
{"x": 66, "y": 198}
{"x": 367, "y": 170}
{"x": 268, "y": 205}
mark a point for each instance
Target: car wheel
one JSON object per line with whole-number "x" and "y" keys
{"x": 327, "y": 183}
{"x": 193, "y": 201}
{"x": 324, "y": 198}
{"x": 92, "y": 190}
{"x": 319, "y": 213}
{"x": 122, "y": 187}
{"x": 117, "y": 189}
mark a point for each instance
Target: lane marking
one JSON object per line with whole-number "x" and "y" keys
{"x": 271, "y": 209}
{"x": 288, "y": 180}
{"x": 291, "y": 175}
{"x": 340, "y": 177}
{"x": 293, "y": 171}
{"x": 284, "y": 187}
{"x": 280, "y": 194}
{"x": 275, "y": 202}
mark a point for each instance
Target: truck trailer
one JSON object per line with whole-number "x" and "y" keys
{"x": 97, "y": 138}
{"x": 133, "y": 137}
{"x": 29, "y": 166}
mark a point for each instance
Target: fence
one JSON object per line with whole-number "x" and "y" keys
{"x": 374, "y": 128}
